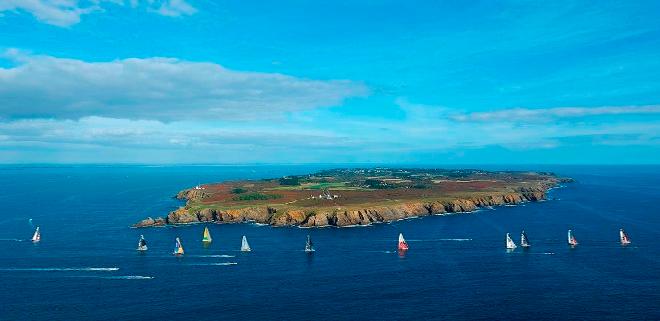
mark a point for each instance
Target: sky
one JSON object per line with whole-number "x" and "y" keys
{"x": 401, "y": 82}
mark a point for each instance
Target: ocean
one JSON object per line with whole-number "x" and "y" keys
{"x": 86, "y": 266}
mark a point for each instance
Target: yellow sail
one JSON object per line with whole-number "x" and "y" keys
{"x": 207, "y": 235}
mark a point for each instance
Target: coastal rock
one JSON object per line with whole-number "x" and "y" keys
{"x": 151, "y": 222}
{"x": 145, "y": 222}
{"x": 289, "y": 218}
{"x": 182, "y": 216}
{"x": 460, "y": 205}
{"x": 257, "y": 214}
{"x": 160, "y": 221}
{"x": 206, "y": 215}
{"x": 192, "y": 194}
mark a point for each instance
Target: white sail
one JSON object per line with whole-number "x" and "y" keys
{"x": 572, "y": 241}
{"x": 309, "y": 246}
{"x": 245, "y": 247}
{"x": 509, "y": 242}
{"x": 625, "y": 240}
{"x": 37, "y": 235}
{"x": 142, "y": 244}
{"x": 524, "y": 242}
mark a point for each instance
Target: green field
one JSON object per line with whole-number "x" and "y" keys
{"x": 320, "y": 186}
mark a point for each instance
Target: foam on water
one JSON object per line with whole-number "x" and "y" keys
{"x": 213, "y": 255}
{"x": 436, "y": 240}
{"x": 118, "y": 277}
{"x": 84, "y": 269}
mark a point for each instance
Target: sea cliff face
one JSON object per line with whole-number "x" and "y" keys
{"x": 340, "y": 216}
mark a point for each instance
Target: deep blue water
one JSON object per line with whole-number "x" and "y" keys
{"x": 84, "y": 213}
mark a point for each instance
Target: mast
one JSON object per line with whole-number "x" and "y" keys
{"x": 37, "y": 235}
{"x": 510, "y": 245}
{"x": 245, "y": 247}
{"x": 207, "y": 235}
{"x": 403, "y": 245}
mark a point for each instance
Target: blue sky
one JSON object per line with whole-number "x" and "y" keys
{"x": 443, "y": 82}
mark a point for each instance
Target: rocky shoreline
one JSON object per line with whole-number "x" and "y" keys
{"x": 340, "y": 216}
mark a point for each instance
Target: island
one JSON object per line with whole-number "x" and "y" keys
{"x": 358, "y": 196}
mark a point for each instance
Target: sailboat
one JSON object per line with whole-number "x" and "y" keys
{"x": 37, "y": 235}
{"x": 524, "y": 242}
{"x": 142, "y": 244}
{"x": 178, "y": 248}
{"x": 207, "y": 235}
{"x": 403, "y": 245}
{"x": 625, "y": 240}
{"x": 571, "y": 238}
{"x": 309, "y": 246}
{"x": 510, "y": 245}
{"x": 245, "y": 247}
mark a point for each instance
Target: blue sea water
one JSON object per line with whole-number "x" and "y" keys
{"x": 86, "y": 267}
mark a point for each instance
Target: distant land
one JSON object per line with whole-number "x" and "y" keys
{"x": 362, "y": 196}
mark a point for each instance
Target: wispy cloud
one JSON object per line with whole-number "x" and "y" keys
{"x": 156, "y": 88}
{"x": 96, "y": 138}
{"x": 174, "y": 8}
{"x": 543, "y": 114}
{"x": 64, "y": 13}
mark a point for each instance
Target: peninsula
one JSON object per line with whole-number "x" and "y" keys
{"x": 346, "y": 197}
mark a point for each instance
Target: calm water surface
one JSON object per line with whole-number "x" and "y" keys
{"x": 86, "y": 266}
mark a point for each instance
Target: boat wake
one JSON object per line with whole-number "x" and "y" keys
{"x": 213, "y": 255}
{"x": 436, "y": 240}
{"x": 11, "y": 240}
{"x": 386, "y": 252}
{"x": 210, "y": 264}
{"x": 118, "y": 277}
{"x": 85, "y": 269}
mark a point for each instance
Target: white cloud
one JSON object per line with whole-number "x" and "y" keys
{"x": 439, "y": 128}
{"x": 541, "y": 114}
{"x": 165, "y": 89}
{"x": 153, "y": 141}
{"x": 64, "y": 13}
{"x": 174, "y": 8}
